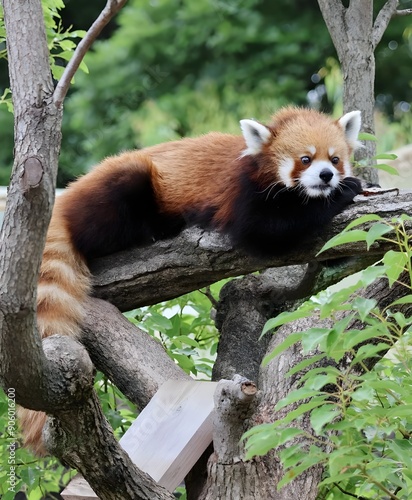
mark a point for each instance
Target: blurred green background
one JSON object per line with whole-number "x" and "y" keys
{"x": 170, "y": 68}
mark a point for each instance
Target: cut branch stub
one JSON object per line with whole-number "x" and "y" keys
{"x": 233, "y": 405}
{"x": 32, "y": 174}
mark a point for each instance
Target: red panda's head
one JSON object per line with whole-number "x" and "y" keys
{"x": 303, "y": 148}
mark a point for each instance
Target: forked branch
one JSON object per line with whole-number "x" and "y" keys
{"x": 110, "y": 10}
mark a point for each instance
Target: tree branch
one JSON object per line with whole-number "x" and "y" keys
{"x": 108, "y": 335}
{"x": 333, "y": 13}
{"x": 56, "y": 376}
{"x": 197, "y": 258}
{"x": 233, "y": 405}
{"x": 111, "y": 9}
{"x": 83, "y": 439}
{"x": 403, "y": 12}
{"x": 382, "y": 20}
{"x": 30, "y": 198}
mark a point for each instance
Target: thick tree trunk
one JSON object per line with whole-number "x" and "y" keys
{"x": 57, "y": 376}
{"x": 355, "y": 35}
{"x": 229, "y": 475}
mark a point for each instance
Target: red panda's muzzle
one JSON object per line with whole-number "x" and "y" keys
{"x": 320, "y": 179}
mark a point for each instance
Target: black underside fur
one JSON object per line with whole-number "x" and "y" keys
{"x": 122, "y": 214}
{"x": 125, "y": 214}
{"x": 276, "y": 221}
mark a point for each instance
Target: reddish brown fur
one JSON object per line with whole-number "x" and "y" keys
{"x": 291, "y": 132}
{"x": 207, "y": 169}
{"x": 190, "y": 174}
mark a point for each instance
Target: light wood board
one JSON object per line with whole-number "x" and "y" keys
{"x": 167, "y": 438}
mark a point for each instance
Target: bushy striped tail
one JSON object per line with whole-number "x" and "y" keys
{"x": 64, "y": 284}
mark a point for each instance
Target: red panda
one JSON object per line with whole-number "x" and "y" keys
{"x": 268, "y": 189}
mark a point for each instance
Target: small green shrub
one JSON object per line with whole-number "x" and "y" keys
{"x": 361, "y": 430}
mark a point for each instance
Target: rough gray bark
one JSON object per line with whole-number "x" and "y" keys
{"x": 45, "y": 380}
{"x": 30, "y": 198}
{"x": 244, "y": 306}
{"x": 228, "y": 473}
{"x": 108, "y": 335}
{"x": 148, "y": 275}
{"x": 355, "y": 35}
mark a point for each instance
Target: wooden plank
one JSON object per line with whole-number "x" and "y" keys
{"x": 169, "y": 435}
{"x": 79, "y": 489}
{"x": 173, "y": 431}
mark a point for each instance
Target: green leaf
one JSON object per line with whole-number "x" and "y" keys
{"x": 321, "y": 416}
{"x": 371, "y": 274}
{"x": 343, "y": 238}
{"x": 317, "y": 383}
{"x": 309, "y": 460}
{"x": 57, "y": 71}
{"x": 376, "y": 232}
{"x": 364, "y": 136}
{"x": 386, "y": 168}
{"x": 337, "y": 478}
{"x": 287, "y": 317}
{"x": 407, "y": 299}
{"x": 299, "y": 395}
{"x": 363, "y": 393}
{"x": 183, "y": 361}
{"x": 401, "y": 411}
{"x": 370, "y": 351}
{"x": 313, "y": 337}
{"x": 355, "y": 337}
{"x": 363, "y": 306}
{"x": 186, "y": 340}
{"x": 363, "y": 219}
{"x": 305, "y": 363}
{"x": 385, "y": 156}
{"x": 265, "y": 437}
{"x": 292, "y": 455}
{"x": 402, "y": 450}
{"x": 158, "y": 321}
{"x": 290, "y": 340}
{"x": 395, "y": 263}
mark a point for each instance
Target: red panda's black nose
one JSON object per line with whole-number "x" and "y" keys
{"x": 326, "y": 175}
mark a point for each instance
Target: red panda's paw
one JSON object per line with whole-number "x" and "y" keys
{"x": 350, "y": 187}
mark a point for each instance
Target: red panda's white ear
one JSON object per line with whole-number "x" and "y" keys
{"x": 255, "y": 134}
{"x": 351, "y": 124}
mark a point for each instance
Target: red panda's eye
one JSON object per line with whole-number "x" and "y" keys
{"x": 305, "y": 160}
{"x": 335, "y": 160}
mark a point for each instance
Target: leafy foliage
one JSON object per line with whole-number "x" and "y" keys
{"x": 61, "y": 43}
{"x": 241, "y": 58}
{"x": 46, "y": 477}
{"x": 185, "y": 328}
{"x": 36, "y": 477}
{"x": 361, "y": 417}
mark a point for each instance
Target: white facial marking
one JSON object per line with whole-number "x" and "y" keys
{"x": 315, "y": 186}
{"x": 331, "y": 152}
{"x": 255, "y": 135}
{"x": 285, "y": 171}
{"x": 312, "y": 150}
